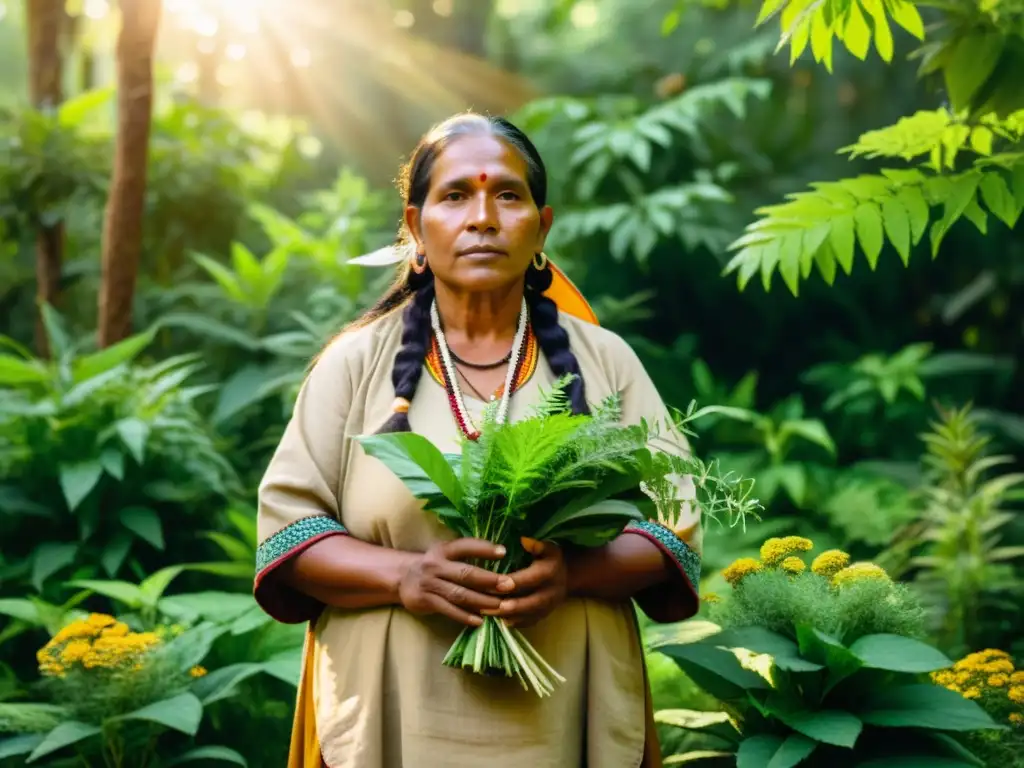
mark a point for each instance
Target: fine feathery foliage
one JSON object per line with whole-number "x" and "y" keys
{"x": 555, "y": 476}
{"x": 822, "y": 227}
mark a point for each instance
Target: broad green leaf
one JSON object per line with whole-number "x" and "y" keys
{"x": 114, "y": 552}
{"x": 834, "y": 727}
{"x": 154, "y": 585}
{"x": 14, "y": 370}
{"x": 223, "y": 754}
{"x": 134, "y": 432}
{"x": 906, "y": 15}
{"x": 976, "y": 215}
{"x": 78, "y": 480}
{"x": 758, "y": 751}
{"x": 811, "y": 430}
{"x": 50, "y": 557}
{"x": 999, "y": 199}
{"x": 826, "y": 260}
{"x": 113, "y": 462}
{"x": 92, "y": 365}
{"x": 19, "y": 608}
{"x": 981, "y": 140}
{"x": 703, "y": 758}
{"x": 144, "y": 523}
{"x": 794, "y": 750}
{"x": 958, "y": 193}
{"x": 916, "y": 761}
{"x": 608, "y": 511}
{"x": 223, "y": 683}
{"x": 821, "y": 40}
{"x": 716, "y": 671}
{"x": 717, "y": 724}
{"x": 897, "y": 226}
{"x": 180, "y": 713}
{"x": 869, "y": 231}
{"x": 760, "y": 640}
{"x": 17, "y": 746}
{"x": 973, "y": 59}
{"x": 923, "y": 706}
{"x": 820, "y": 648}
{"x": 64, "y": 735}
{"x": 225, "y": 278}
{"x": 122, "y": 591}
{"x": 417, "y": 462}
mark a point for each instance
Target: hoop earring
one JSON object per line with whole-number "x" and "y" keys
{"x": 419, "y": 263}
{"x": 540, "y": 261}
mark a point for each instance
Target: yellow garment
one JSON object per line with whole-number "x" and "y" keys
{"x": 374, "y": 692}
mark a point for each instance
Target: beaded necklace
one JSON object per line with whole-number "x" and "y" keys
{"x": 451, "y": 384}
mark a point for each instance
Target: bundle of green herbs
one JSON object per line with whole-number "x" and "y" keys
{"x": 553, "y": 476}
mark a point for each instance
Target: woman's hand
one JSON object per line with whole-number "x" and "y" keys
{"x": 439, "y": 582}
{"x": 539, "y": 588}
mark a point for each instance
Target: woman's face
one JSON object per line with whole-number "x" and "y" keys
{"x": 479, "y": 225}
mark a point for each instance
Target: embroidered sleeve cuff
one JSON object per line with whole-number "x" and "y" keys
{"x": 280, "y": 601}
{"x": 678, "y": 598}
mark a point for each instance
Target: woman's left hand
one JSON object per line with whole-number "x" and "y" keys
{"x": 539, "y": 588}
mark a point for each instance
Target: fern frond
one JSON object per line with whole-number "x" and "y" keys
{"x": 822, "y": 227}
{"x": 853, "y": 22}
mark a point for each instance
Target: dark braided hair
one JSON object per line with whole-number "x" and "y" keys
{"x": 416, "y": 291}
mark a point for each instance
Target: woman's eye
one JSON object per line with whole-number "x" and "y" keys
{"x": 453, "y": 196}
{"x": 508, "y": 196}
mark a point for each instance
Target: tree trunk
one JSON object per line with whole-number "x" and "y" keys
{"x": 44, "y": 19}
{"x": 122, "y": 226}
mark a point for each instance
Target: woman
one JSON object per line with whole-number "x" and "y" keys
{"x": 383, "y": 585}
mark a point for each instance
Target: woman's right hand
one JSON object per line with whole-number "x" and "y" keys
{"x": 438, "y": 581}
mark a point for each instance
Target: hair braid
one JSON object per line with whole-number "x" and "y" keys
{"x": 552, "y": 337}
{"x": 408, "y": 366}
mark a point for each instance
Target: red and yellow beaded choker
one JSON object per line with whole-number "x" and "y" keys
{"x": 522, "y": 363}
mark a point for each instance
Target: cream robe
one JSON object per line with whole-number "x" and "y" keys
{"x": 382, "y": 698}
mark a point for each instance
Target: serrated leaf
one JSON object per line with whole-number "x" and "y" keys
{"x": 869, "y": 231}
{"x": 897, "y": 226}
{"x": 841, "y": 238}
{"x": 917, "y": 211}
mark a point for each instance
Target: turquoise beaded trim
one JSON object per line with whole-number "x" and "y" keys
{"x": 292, "y": 536}
{"x": 687, "y": 559}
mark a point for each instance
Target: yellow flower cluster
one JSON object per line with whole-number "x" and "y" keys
{"x": 98, "y": 641}
{"x": 774, "y": 551}
{"x": 859, "y": 572}
{"x": 740, "y": 569}
{"x": 830, "y": 562}
{"x": 793, "y": 565}
{"x": 988, "y": 675}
